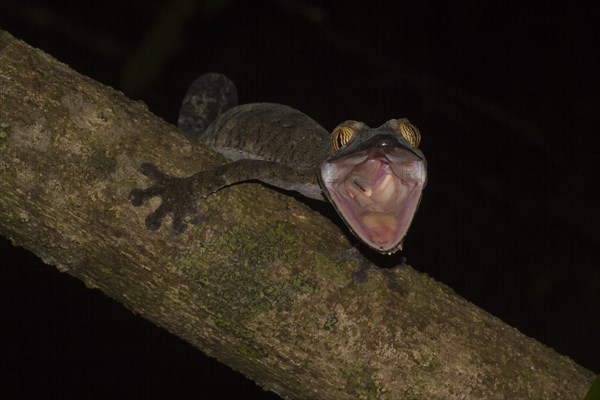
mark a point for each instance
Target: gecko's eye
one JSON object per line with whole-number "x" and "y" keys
{"x": 341, "y": 137}
{"x": 410, "y": 133}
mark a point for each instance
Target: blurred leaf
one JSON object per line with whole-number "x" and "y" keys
{"x": 160, "y": 43}
{"x": 594, "y": 393}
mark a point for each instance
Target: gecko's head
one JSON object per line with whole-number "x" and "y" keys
{"x": 374, "y": 178}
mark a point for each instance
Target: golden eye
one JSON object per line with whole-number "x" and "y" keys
{"x": 410, "y": 133}
{"x": 341, "y": 136}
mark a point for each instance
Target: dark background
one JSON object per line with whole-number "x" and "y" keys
{"x": 506, "y": 96}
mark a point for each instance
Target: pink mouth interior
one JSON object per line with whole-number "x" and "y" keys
{"x": 377, "y": 194}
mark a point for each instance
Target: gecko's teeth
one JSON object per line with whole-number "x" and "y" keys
{"x": 384, "y": 191}
{"x": 360, "y": 197}
{"x": 386, "y": 181}
{"x": 368, "y": 191}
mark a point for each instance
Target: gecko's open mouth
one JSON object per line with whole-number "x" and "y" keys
{"x": 377, "y": 193}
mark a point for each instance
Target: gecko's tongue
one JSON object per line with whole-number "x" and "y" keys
{"x": 376, "y": 193}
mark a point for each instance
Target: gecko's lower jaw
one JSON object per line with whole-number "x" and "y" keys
{"x": 376, "y": 193}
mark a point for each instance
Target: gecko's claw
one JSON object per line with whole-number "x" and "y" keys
{"x": 154, "y": 219}
{"x": 139, "y": 196}
{"x": 151, "y": 171}
{"x": 136, "y": 197}
{"x": 178, "y": 225}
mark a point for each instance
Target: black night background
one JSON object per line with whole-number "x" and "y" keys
{"x": 505, "y": 94}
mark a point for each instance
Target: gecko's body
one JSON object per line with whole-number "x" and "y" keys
{"x": 373, "y": 177}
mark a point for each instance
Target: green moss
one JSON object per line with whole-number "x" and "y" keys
{"x": 331, "y": 269}
{"x": 4, "y": 131}
{"x": 183, "y": 294}
{"x": 360, "y": 380}
{"x": 330, "y": 322}
{"x": 242, "y": 273}
{"x": 251, "y": 351}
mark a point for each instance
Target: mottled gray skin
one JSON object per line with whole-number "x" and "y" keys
{"x": 267, "y": 131}
{"x": 271, "y": 143}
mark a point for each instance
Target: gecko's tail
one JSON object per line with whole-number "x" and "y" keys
{"x": 208, "y": 97}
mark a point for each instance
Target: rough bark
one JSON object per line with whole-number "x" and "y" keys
{"x": 257, "y": 285}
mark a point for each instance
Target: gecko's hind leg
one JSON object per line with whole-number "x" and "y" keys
{"x": 208, "y": 97}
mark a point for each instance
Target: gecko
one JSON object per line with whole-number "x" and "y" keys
{"x": 373, "y": 177}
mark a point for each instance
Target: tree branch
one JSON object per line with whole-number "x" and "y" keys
{"x": 257, "y": 285}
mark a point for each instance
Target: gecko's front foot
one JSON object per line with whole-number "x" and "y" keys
{"x": 176, "y": 194}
